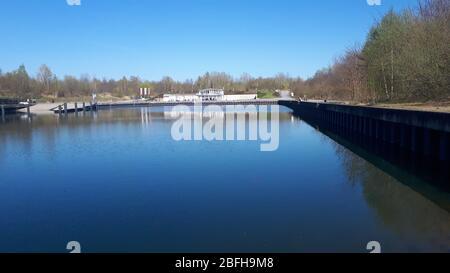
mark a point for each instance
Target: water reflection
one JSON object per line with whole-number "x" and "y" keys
{"x": 409, "y": 214}
{"x": 415, "y": 211}
{"x": 117, "y": 176}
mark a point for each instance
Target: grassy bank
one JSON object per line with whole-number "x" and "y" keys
{"x": 267, "y": 94}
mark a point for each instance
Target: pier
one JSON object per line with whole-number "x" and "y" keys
{"x": 189, "y": 103}
{"x": 414, "y": 140}
{"x": 75, "y": 107}
{"x": 67, "y": 108}
{"x": 13, "y": 105}
{"x": 424, "y": 133}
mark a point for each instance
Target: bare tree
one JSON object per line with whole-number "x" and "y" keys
{"x": 45, "y": 77}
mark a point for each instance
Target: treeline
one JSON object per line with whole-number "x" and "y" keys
{"x": 19, "y": 83}
{"x": 406, "y": 57}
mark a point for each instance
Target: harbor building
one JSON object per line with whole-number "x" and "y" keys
{"x": 207, "y": 95}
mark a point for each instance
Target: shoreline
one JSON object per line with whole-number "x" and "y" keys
{"x": 44, "y": 108}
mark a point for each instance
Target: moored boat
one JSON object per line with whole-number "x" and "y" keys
{"x": 12, "y": 105}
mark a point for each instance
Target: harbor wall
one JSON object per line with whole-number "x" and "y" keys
{"x": 422, "y": 133}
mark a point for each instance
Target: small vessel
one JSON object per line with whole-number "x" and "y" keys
{"x": 12, "y": 105}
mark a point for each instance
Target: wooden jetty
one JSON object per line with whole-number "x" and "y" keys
{"x": 66, "y": 108}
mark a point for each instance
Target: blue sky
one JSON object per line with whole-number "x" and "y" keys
{"x": 182, "y": 38}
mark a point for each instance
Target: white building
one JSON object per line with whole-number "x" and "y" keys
{"x": 240, "y": 97}
{"x": 207, "y": 95}
{"x": 180, "y": 98}
{"x": 211, "y": 94}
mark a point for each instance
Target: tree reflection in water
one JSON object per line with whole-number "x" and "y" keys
{"x": 405, "y": 212}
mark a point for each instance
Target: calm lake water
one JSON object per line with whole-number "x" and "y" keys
{"x": 116, "y": 181}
